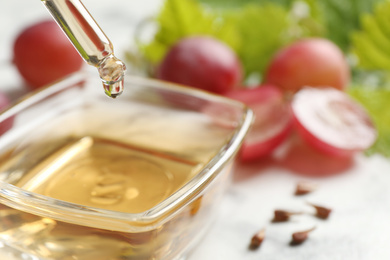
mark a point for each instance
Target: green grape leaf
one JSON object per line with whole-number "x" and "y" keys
{"x": 376, "y": 102}
{"x": 338, "y": 17}
{"x": 239, "y": 3}
{"x": 261, "y": 37}
{"x": 371, "y": 43}
{"x": 341, "y": 17}
{"x": 181, "y": 18}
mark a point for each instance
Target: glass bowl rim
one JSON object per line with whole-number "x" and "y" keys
{"x": 34, "y": 203}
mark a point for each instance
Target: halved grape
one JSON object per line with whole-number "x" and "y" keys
{"x": 272, "y": 122}
{"x": 329, "y": 120}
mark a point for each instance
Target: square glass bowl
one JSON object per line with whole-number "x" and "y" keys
{"x": 86, "y": 177}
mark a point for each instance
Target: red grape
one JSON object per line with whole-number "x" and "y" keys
{"x": 43, "y": 54}
{"x": 273, "y": 120}
{"x": 201, "y": 62}
{"x": 331, "y": 121}
{"x": 309, "y": 62}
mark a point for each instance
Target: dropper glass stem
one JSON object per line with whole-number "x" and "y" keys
{"x": 90, "y": 41}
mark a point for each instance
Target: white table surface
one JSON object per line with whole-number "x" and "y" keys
{"x": 359, "y": 226}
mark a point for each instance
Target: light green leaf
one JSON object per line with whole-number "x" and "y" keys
{"x": 263, "y": 30}
{"x": 371, "y": 43}
{"x": 382, "y": 12}
{"x": 376, "y": 101}
{"x": 239, "y": 3}
{"x": 341, "y": 17}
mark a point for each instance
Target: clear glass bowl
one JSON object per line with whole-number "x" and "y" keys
{"x": 86, "y": 177}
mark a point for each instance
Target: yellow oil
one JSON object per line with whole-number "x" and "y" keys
{"x": 102, "y": 173}
{"x": 105, "y": 174}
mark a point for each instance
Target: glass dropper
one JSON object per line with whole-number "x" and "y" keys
{"x": 90, "y": 41}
